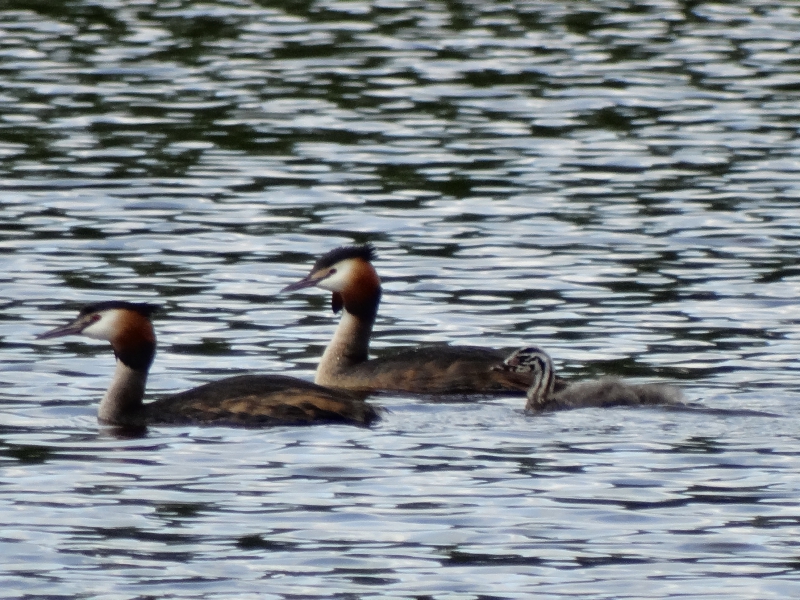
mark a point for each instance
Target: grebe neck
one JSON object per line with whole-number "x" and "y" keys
{"x": 122, "y": 403}
{"x": 134, "y": 351}
{"x": 350, "y": 343}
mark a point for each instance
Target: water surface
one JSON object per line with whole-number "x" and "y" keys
{"x": 617, "y": 183}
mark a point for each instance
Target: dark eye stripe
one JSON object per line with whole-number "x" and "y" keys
{"x": 542, "y": 375}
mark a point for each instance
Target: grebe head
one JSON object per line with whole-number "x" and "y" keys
{"x": 537, "y": 362}
{"x": 336, "y": 270}
{"x": 347, "y": 272}
{"x": 125, "y": 324}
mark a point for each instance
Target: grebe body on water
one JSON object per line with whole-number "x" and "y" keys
{"x": 244, "y": 400}
{"x": 608, "y": 391}
{"x": 347, "y": 272}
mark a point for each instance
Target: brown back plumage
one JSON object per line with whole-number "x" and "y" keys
{"x": 261, "y": 400}
{"x": 437, "y": 369}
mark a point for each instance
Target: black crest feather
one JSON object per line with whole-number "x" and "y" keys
{"x": 365, "y": 252}
{"x": 143, "y": 308}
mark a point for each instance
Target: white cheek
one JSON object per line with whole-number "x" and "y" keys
{"x": 104, "y": 328}
{"x": 339, "y": 280}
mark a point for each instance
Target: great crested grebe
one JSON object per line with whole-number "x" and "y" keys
{"x": 347, "y": 273}
{"x": 608, "y": 391}
{"x": 244, "y": 400}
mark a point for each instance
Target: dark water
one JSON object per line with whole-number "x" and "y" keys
{"x": 617, "y": 182}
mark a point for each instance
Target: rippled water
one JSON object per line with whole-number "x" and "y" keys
{"x": 617, "y": 182}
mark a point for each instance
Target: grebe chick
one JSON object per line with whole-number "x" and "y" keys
{"x": 347, "y": 273}
{"x": 608, "y": 391}
{"x": 244, "y": 400}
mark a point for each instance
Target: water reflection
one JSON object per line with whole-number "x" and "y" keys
{"x": 615, "y": 183}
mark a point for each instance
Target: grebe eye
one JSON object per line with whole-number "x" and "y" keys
{"x": 331, "y": 272}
